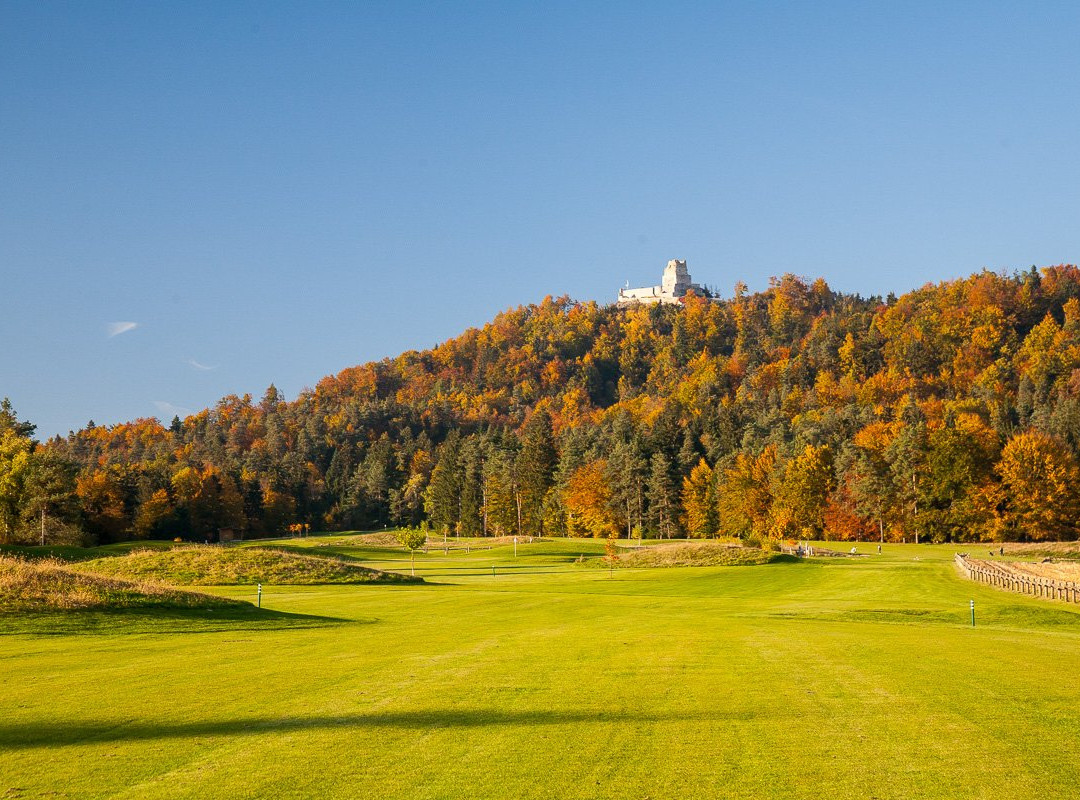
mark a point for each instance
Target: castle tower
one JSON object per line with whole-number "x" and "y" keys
{"x": 676, "y": 280}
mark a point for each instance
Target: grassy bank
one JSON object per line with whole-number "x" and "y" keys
{"x": 202, "y": 565}
{"x": 49, "y": 585}
{"x": 698, "y": 554}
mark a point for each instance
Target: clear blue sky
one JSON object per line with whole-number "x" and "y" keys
{"x": 275, "y": 191}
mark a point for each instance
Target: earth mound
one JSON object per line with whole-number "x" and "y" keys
{"x": 53, "y": 585}
{"x": 698, "y": 554}
{"x": 212, "y": 565}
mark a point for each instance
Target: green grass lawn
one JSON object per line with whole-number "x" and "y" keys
{"x": 839, "y": 678}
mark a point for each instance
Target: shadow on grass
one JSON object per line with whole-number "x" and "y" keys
{"x": 61, "y": 734}
{"x": 161, "y": 621}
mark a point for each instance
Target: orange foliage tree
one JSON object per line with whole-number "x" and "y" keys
{"x": 588, "y": 501}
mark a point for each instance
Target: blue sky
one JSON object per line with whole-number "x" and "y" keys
{"x": 275, "y": 191}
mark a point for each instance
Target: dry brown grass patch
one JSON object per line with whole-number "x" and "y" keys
{"x": 52, "y": 585}
{"x": 203, "y": 565}
{"x": 1057, "y": 570}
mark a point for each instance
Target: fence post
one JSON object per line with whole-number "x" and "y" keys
{"x": 1011, "y": 579}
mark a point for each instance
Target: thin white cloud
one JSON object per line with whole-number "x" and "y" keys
{"x": 116, "y": 328}
{"x": 168, "y": 410}
{"x": 197, "y": 365}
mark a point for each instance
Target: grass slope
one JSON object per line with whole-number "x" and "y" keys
{"x": 201, "y": 565}
{"x": 838, "y": 678}
{"x": 698, "y": 554}
{"x": 52, "y": 585}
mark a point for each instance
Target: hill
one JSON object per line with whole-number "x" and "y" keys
{"x": 950, "y": 413}
{"x": 216, "y": 566}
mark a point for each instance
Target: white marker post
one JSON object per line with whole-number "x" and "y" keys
{"x": 260, "y": 595}
{"x": 973, "y": 613}
{"x": 515, "y": 547}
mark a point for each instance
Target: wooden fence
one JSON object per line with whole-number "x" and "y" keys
{"x": 1002, "y": 576}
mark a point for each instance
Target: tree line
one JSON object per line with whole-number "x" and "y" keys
{"x": 951, "y": 413}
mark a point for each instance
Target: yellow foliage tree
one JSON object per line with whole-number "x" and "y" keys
{"x": 102, "y": 499}
{"x": 1040, "y": 482}
{"x": 699, "y": 502}
{"x": 745, "y": 495}
{"x": 804, "y": 493}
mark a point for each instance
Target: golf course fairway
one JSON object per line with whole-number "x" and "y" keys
{"x": 547, "y": 678}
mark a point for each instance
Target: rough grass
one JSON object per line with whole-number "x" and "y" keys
{"x": 1069, "y": 550}
{"x": 52, "y": 585}
{"x": 698, "y": 554}
{"x": 377, "y": 539}
{"x": 222, "y": 566}
{"x": 1059, "y": 571}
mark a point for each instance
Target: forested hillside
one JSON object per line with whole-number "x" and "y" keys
{"x": 951, "y": 413}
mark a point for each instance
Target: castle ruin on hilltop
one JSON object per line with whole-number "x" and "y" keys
{"x": 673, "y": 287}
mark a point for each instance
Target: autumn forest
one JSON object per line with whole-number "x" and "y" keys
{"x": 949, "y": 414}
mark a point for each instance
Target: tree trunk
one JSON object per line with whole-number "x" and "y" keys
{"x": 517, "y": 502}
{"x": 915, "y": 509}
